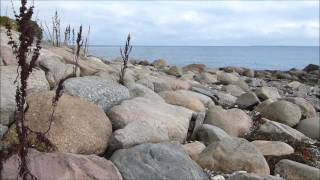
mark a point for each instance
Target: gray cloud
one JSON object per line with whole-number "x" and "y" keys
{"x": 190, "y": 22}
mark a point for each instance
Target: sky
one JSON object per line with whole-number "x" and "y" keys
{"x": 192, "y": 23}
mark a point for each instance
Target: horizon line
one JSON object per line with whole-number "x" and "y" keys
{"x": 113, "y": 45}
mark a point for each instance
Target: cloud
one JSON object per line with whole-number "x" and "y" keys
{"x": 190, "y": 22}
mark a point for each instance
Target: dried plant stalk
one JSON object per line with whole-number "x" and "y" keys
{"x": 125, "y": 58}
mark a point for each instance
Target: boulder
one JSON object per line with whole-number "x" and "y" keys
{"x": 273, "y": 148}
{"x": 307, "y": 109}
{"x": 207, "y": 78}
{"x": 197, "y": 124}
{"x": 224, "y": 99}
{"x": 194, "y": 68}
{"x": 55, "y": 67}
{"x": 252, "y": 176}
{"x": 263, "y": 104}
{"x": 78, "y": 126}
{"x": 136, "y": 133}
{"x": 310, "y": 127}
{"x": 194, "y": 149}
{"x": 208, "y": 134}
{"x": 249, "y": 73}
{"x": 3, "y": 130}
{"x": 274, "y": 131}
{"x": 59, "y": 165}
{"x": 176, "y": 98}
{"x": 233, "y": 121}
{"x": 242, "y": 84}
{"x": 163, "y": 116}
{"x": 283, "y": 112}
{"x": 160, "y": 63}
{"x": 233, "y": 154}
{"x": 247, "y": 100}
{"x": 227, "y": 78}
{"x": 175, "y": 71}
{"x": 293, "y": 170}
{"x": 8, "y": 74}
{"x": 294, "y": 84}
{"x": 7, "y": 56}
{"x": 311, "y": 67}
{"x": 156, "y": 161}
{"x": 233, "y": 90}
{"x": 164, "y": 83}
{"x": 139, "y": 90}
{"x": 206, "y": 100}
{"x": 267, "y": 93}
{"x": 104, "y": 93}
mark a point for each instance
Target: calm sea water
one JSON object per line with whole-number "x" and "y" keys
{"x": 256, "y": 57}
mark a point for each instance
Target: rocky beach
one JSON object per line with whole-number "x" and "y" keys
{"x": 165, "y": 122}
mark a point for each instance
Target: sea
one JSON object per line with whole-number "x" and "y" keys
{"x": 255, "y": 57}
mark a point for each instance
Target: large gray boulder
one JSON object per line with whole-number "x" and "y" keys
{"x": 283, "y": 112}
{"x": 273, "y": 148}
{"x": 267, "y": 93}
{"x": 59, "y": 165}
{"x": 78, "y": 126}
{"x": 307, "y": 109}
{"x": 173, "y": 119}
{"x": 55, "y": 67}
{"x": 233, "y": 154}
{"x": 104, "y": 93}
{"x": 227, "y": 78}
{"x": 274, "y": 131}
{"x": 194, "y": 149}
{"x": 293, "y": 170}
{"x": 235, "y": 122}
{"x": 310, "y": 127}
{"x": 247, "y": 100}
{"x": 134, "y": 134}
{"x": 139, "y": 90}
{"x": 208, "y": 134}
{"x": 179, "y": 99}
{"x": 8, "y": 75}
{"x": 156, "y": 161}
{"x": 232, "y": 89}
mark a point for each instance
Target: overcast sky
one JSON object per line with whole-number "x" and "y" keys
{"x": 188, "y": 22}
